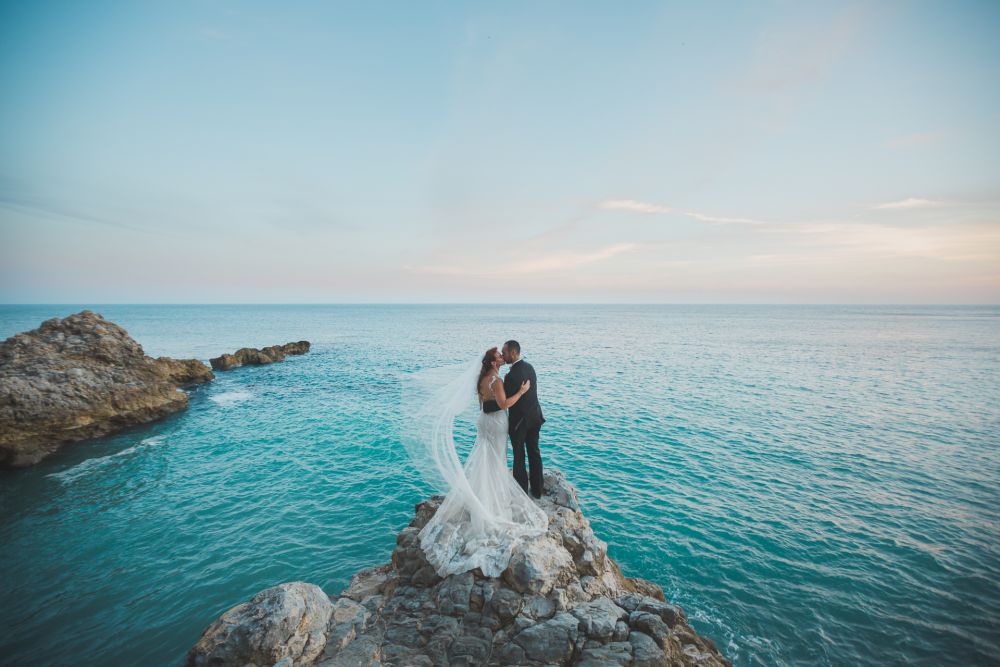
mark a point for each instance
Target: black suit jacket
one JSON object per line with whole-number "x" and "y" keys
{"x": 526, "y": 413}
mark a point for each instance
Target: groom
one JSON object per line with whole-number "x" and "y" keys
{"x": 525, "y": 418}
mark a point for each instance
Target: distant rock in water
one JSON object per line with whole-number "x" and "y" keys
{"x": 82, "y": 377}
{"x": 561, "y": 601}
{"x": 251, "y": 356}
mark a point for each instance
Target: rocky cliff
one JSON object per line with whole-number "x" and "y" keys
{"x": 82, "y": 377}
{"x": 561, "y": 601}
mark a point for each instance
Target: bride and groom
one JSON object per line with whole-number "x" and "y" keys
{"x": 486, "y": 511}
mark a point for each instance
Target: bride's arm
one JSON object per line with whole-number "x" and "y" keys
{"x": 501, "y": 395}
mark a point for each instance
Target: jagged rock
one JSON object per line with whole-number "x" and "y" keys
{"x": 599, "y": 617}
{"x": 552, "y": 606}
{"x": 540, "y": 608}
{"x": 347, "y": 620}
{"x": 616, "y": 653}
{"x": 668, "y": 613}
{"x": 506, "y": 604}
{"x": 646, "y": 652}
{"x": 539, "y": 566}
{"x": 550, "y": 641}
{"x": 251, "y": 356}
{"x": 286, "y": 622}
{"x": 370, "y": 582}
{"x": 82, "y": 377}
{"x": 454, "y": 593}
{"x": 650, "y": 624}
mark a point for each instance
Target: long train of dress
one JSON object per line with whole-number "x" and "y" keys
{"x": 481, "y": 528}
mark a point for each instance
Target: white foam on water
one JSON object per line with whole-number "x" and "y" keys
{"x": 231, "y": 397}
{"x": 88, "y": 466}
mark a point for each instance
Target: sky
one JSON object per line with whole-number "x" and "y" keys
{"x": 565, "y": 152}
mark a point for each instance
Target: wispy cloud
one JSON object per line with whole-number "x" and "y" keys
{"x": 718, "y": 220}
{"x": 912, "y": 202}
{"x": 950, "y": 242}
{"x": 646, "y": 207}
{"x": 40, "y": 206}
{"x": 632, "y": 205}
{"x": 567, "y": 260}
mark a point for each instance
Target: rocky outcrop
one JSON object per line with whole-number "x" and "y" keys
{"x": 561, "y": 601}
{"x": 251, "y": 356}
{"x": 284, "y": 623}
{"x": 82, "y": 377}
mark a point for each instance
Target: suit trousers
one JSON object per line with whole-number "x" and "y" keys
{"x": 528, "y": 440}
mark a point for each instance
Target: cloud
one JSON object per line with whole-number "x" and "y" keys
{"x": 716, "y": 220}
{"x": 912, "y": 202}
{"x": 951, "y": 242}
{"x": 645, "y": 207}
{"x": 568, "y": 260}
{"x": 632, "y": 205}
{"x": 48, "y": 207}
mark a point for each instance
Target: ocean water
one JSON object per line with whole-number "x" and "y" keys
{"x": 814, "y": 485}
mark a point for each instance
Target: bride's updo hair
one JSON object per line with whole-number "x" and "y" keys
{"x": 488, "y": 358}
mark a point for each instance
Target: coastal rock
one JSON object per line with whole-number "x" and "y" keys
{"x": 286, "y": 622}
{"x": 251, "y": 356}
{"x": 82, "y": 377}
{"x": 561, "y": 601}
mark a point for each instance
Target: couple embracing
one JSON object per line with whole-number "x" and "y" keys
{"x": 486, "y": 510}
{"x": 518, "y": 393}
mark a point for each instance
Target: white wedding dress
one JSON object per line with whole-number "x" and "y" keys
{"x": 485, "y": 512}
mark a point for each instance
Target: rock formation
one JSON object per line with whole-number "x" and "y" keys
{"x": 561, "y": 601}
{"x": 247, "y": 356}
{"x": 82, "y": 377}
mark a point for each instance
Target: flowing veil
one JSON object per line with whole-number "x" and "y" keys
{"x": 431, "y": 400}
{"x": 485, "y": 512}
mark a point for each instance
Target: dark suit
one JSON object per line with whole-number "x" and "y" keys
{"x": 525, "y": 423}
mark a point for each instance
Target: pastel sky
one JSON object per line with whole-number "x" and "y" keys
{"x": 759, "y": 152}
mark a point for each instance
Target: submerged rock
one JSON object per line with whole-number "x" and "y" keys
{"x": 251, "y": 356}
{"x": 562, "y": 601}
{"x": 82, "y": 377}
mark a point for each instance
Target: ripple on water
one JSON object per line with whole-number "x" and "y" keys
{"x": 90, "y": 466}
{"x": 228, "y": 398}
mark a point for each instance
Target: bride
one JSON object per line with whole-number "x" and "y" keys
{"x": 485, "y": 512}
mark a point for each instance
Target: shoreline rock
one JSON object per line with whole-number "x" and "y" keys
{"x": 82, "y": 377}
{"x": 251, "y": 356}
{"x": 561, "y": 601}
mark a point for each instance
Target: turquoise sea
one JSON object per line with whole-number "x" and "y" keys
{"x": 815, "y": 485}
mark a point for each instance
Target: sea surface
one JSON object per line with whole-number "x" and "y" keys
{"x": 815, "y": 485}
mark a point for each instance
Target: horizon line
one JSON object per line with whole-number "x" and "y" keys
{"x": 511, "y": 303}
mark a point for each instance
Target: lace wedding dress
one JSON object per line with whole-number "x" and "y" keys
{"x": 485, "y": 511}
